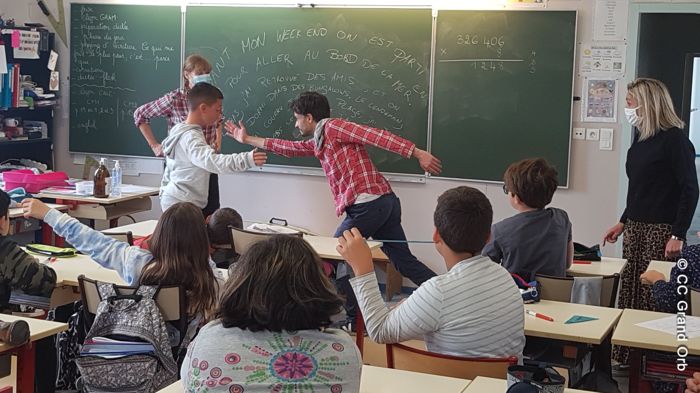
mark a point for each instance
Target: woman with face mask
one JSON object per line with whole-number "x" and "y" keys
{"x": 661, "y": 196}
{"x": 173, "y": 106}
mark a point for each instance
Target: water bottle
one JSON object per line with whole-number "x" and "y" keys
{"x": 116, "y": 180}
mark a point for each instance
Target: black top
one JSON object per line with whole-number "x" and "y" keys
{"x": 663, "y": 184}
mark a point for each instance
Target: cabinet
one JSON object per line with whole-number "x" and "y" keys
{"x": 19, "y": 144}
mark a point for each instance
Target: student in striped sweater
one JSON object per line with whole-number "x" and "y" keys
{"x": 474, "y": 310}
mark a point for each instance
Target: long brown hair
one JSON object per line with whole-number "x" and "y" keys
{"x": 180, "y": 249}
{"x": 197, "y": 65}
{"x": 278, "y": 284}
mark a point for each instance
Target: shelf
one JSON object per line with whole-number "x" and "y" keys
{"x": 27, "y": 109}
{"x": 25, "y": 141}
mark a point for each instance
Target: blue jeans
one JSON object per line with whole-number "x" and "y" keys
{"x": 381, "y": 219}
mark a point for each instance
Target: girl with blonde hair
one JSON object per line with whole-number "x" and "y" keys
{"x": 661, "y": 196}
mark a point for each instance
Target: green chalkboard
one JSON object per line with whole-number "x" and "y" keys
{"x": 373, "y": 64}
{"x": 502, "y": 90}
{"x": 121, "y": 57}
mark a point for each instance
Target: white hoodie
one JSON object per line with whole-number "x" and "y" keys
{"x": 188, "y": 162}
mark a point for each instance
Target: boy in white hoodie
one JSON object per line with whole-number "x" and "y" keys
{"x": 189, "y": 159}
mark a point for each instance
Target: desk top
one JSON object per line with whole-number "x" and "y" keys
{"x": 139, "y": 192}
{"x": 663, "y": 267}
{"x": 16, "y": 212}
{"x": 68, "y": 270}
{"x": 629, "y": 334}
{"x": 138, "y": 229}
{"x": 386, "y": 380}
{"x": 38, "y": 329}
{"x": 606, "y": 267}
{"x": 325, "y": 246}
{"x": 591, "y": 332}
{"x": 491, "y": 385}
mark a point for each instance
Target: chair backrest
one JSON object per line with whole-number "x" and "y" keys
{"x": 126, "y": 237}
{"x": 170, "y": 299}
{"x": 559, "y": 288}
{"x": 243, "y": 239}
{"x": 695, "y": 302}
{"x": 403, "y": 357}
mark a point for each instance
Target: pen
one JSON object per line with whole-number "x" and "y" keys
{"x": 538, "y": 315}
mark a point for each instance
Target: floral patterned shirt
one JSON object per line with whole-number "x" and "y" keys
{"x": 234, "y": 360}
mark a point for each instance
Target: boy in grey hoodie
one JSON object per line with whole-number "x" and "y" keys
{"x": 189, "y": 159}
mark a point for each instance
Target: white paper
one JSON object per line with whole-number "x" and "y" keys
{"x": 53, "y": 58}
{"x": 602, "y": 59}
{"x": 54, "y": 81}
{"x": 610, "y": 20}
{"x": 670, "y": 325}
{"x": 133, "y": 188}
{"x": 599, "y": 100}
{"x": 28, "y": 45}
{"x": 3, "y": 60}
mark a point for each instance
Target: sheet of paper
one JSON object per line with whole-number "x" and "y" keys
{"x": 599, "y": 100}
{"x": 3, "y": 60}
{"x": 602, "y": 59}
{"x": 134, "y": 189}
{"x": 670, "y": 325}
{"x": 28, "y": 45}
{"x": 610, "y": 20}
{"x": 53, "y": 58}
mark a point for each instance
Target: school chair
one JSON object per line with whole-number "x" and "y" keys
{"x": 695, "y": 302}
{"x": 242, "y": 239}
{"x": 559, "y": 289}
{"x": 126, "y": 237}
{"x": 170, "y": 299}
{"x": 404, "y": 357}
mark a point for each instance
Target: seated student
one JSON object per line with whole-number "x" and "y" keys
{"x": 19, "y": 270}
{"x": 272, "y": 331}
{"x": 474, "y": 310}
{"x": 189, "y": 160}
{"x": 178, "y": 252}
{"x": 537, "y": 240}
{"x": 220, "y": 247}
{"x": 665, "y": 293}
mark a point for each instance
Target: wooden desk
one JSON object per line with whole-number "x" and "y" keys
{"x": 47, "y": 236}
{"x": 26, "y": 355}
{"x": 606, "y": 267}
{"x": 386, "y": 380}
{"x": 138, "y": 229}
{"x": 111, "y": 208}
{"x": 591, "y": 332}
{"x": 629, "y": 334}
{"x": 491, "y": 385}
{"x": 642, "y": 339}
{"x": 663, "y": 267}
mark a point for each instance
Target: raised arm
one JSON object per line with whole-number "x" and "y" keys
{"x": 278, "y": 146}
{"x": 127, "y": 260}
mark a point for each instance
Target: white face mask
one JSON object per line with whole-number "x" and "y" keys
{"x": 632, "y": 117}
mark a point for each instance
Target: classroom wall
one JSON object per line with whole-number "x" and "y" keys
{"x": 591, "y": 200}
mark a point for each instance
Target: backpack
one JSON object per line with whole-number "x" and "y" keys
{"x": 134, "y": 318}
{"x": 68, "y": 344}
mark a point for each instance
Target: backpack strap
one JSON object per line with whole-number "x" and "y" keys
{"x": 105, "y": 290}
{"x": 147, "y": 291}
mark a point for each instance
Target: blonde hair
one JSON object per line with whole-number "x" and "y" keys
{"x": 197, "y": 65}
{"x": 655, "y": 107}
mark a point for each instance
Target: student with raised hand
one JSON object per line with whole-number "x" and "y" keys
{"x": 538, "y": 239}
{"x": 474, "y": 310}
{"x": 359, "y": 189}
{"x": 19, "y": 270}
{"x": 174, "y": 108}
{"x": 188, "y": 158}
{"x": 178, "y": 252}
{"x": 271, "y": 333}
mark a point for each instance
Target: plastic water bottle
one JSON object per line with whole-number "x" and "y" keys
{"x": 116, "y": 180}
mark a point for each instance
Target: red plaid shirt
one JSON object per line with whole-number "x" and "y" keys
{"x": 173, "y": 106}
{"x": 345, "y": 161}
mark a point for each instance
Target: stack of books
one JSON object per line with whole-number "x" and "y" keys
{"x": 110, "y": 348}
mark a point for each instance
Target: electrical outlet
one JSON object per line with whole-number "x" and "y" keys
{"x": 579, "y": 133}
{"x": 592, "y": 134}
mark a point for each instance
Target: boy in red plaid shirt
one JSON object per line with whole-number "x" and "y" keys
{"x": 359, "y": 189}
